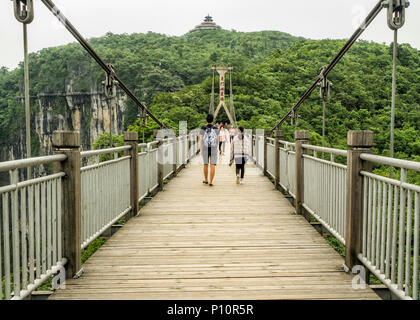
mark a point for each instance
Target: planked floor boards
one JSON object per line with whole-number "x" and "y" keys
{"x": 224, "y": 242}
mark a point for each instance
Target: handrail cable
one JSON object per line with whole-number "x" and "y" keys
{"x": 69, "y": 26}
{"x": 372, "y": 15}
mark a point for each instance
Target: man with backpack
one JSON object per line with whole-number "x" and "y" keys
{"x": 209, "y": 141}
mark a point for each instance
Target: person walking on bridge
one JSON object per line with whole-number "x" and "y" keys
{"x": 209, "y": 141}
{"x": 240, "y": 152}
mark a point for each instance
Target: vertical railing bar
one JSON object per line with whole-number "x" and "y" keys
{"x": 23, "y": 244}
{"x": 54, "y": 221}
{"x": 31, "y": 234}
{"x": 15, "y": 232}
{"x": 408, "y": 244}
{"x": 49, "y": 224}
{"x": 374, "y": 211}
{"x": 378, "y": 224}
{"x": 6, "y": 243}
{"x": 84, "y": 180}
{"x": 94, "y": 187}
{"x": 383, "y": 220}
{"x": 365, "y": 197}
{"x": 369, "y": 221}
{"x": 394, "y": 236}
{"x": 1, "y": 255}
{"x": 401, "y": 231}
{"x": 44, "y": 227}
{"x": 416, "y": 247}
{"x": 388, "y": 234}
{"x": 37, "y": 231}
{"x": 59, "y": 221}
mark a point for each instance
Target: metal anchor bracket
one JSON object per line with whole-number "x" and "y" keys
{"x": 396, "y": 13}
{"x": 325, "y": 85}
{"x": 24, "y": 10}
{"x": 110, "y": 83}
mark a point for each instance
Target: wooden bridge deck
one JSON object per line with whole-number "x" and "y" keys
{"x": 225, "y": 242}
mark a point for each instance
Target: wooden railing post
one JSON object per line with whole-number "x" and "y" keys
{"x": 301, "y": 137}
{"x": 131, "y": 139}
{"x": 278, "y": 136}
{"x": 68, "y": 143}
{"x": 266, "y": 135}
{"x": 160, "y": 163}
{"x": 358, "y": 142}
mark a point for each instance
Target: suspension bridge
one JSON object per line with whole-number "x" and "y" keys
{"x": 185, "y": 240}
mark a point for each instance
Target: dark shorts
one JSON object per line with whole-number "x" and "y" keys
{"x": 210, "y": 155}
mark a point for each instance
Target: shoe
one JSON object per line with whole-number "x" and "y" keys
{"x": 211, "y": 184}
{"x": 237, "y": 179}
{"x": 241, "y": 182}
{"x": 205, "y": 182}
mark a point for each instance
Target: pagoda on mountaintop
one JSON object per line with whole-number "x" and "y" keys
{"x": 207, "y": 24}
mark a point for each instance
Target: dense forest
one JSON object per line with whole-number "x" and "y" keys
{"x": 360, "y": 97}
{"x": 148, "y": 64}
{"x": 271, "y": 70}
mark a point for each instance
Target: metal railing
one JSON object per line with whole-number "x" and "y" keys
{"x": 30, "y": 237}
{"x": 325, "y": 189}
{"x": 390, "y": 232}
{"x": 104, "y": 187}
{"x": 391, "y": 227}
{"x": 32, "y": 219}
{"x": 287, "y": 167}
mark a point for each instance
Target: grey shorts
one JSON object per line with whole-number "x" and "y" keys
{"x": 210, "y": 154}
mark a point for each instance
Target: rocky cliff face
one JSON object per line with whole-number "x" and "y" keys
{"x": 88, "y": 113}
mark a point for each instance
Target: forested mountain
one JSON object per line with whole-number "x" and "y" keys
{"x": 360, "y": 97}
{"x": 148, "y": 63}
{"x": 271, "y": 71}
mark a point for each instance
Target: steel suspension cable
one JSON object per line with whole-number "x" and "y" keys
{"x": 371, "y": 16}
{"x": 69, "y": 26}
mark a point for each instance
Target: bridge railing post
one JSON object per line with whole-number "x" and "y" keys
{"x": 279, "y": 134}
{"x": 253, "y": 133}
{"x": 174, "y": 155}
{"x": 189, "y": 146}
{"x": 266, "y": 135}
{"x": 131, "y": 139}
{"x": 160, "y": 156}
{"x": 358, "y": 142}
{"x": 68, "y": 143}
{"x": 301, "y": 137}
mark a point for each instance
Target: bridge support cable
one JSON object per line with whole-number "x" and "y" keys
{"x": 69, "y": 26}
{"x": 324, "y": 92}
{"x": 24, "y": 13}
{"x": 396, "y": 19}
{"x": 111, "y": 95}
{"x": 368, "y": 20}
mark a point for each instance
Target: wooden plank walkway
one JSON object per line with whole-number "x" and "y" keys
{"x": 224, "y": 242}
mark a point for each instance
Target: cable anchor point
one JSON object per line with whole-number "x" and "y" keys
{"x": 110, "y": 83}
{"x": 24, "y": 10}
{"x": 324, "y": 84}
{"x": 396, "y": 12}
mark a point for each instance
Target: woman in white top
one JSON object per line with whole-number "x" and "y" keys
{"x": 240, "y": 152}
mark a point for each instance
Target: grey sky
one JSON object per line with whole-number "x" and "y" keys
{"x": 311, "y": 19}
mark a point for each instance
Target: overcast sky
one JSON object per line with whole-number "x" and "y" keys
{"x": 334, "y": 19}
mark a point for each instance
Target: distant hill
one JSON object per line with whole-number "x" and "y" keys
{"x": 148, "y": 63}
{"x": 360, "y": 97}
